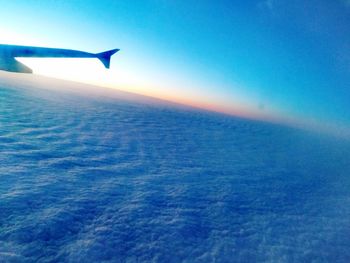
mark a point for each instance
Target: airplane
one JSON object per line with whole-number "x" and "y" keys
{"x": 8, "y": 53}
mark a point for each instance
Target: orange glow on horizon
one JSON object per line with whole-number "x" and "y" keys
{"x": 122, "y": 77}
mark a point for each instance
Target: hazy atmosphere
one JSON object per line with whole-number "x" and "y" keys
{"x": 174, "y": 131}
{"x": 281, "y": 60}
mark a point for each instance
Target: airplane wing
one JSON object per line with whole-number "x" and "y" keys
{"x": 12, "y": 65}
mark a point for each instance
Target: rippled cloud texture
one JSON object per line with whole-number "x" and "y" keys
{"x": 92, "y": 178}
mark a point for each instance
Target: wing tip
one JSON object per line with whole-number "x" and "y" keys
{"x": 105, "y": 57}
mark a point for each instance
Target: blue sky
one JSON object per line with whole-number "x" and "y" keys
{"x": 269, "y": 57}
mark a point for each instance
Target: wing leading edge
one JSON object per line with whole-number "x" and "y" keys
{"x": 9, "y": 53}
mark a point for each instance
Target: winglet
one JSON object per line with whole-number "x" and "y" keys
{"x": 105, "y": 57}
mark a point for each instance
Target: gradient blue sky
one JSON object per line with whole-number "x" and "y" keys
{"x": 286, "y": 58}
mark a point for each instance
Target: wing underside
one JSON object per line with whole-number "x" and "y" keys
{"x": 12, "y": 65}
